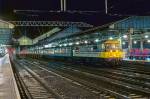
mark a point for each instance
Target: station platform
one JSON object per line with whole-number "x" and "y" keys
{"x": 143, "y": 62}
{"x": 8, "y": 86}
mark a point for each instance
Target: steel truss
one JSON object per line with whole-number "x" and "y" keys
{"x": 50, "y": 23}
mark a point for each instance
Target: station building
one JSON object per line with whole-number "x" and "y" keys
{"x": 132, "y": 32}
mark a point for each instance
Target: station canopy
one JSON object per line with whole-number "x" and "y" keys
{"x": 5, "y": 32}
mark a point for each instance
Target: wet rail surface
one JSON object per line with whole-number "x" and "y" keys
{"x": 128, "y": 86}
{"x": 136, "y": 79}
{"x": 117, "y": 82}
{"x": 135, "y": 67}
{"x": 108, "y": 76}
{"x": 33, "y": 87}
{"x": 65, "y": 88}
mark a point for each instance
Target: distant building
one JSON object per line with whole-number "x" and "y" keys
{"x": 24, "y": 41}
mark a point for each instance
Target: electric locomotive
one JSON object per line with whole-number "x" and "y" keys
{"x": 108, "y": 52}
{"x": 112, "y": 52}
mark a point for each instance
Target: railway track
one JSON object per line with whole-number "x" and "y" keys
{"x": 142, "y": 84}
{"x": 119, "y": 71}
{"x": 135, "y": 70}
{"x": 128, "y": 87}
{"x": 34, "y": 88}
{"x": 66, "y": 88}
{"x": 134, "y": 67}
{"x": 142, "y": 80}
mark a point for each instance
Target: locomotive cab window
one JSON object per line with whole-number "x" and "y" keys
{"x": 111, "y": 45}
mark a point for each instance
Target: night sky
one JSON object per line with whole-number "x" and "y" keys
{"x": 117, "y": 9}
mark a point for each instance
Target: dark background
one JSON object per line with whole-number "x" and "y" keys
{"x": 117, "y": 9}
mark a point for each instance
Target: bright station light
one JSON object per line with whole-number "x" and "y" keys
{"x": 65, "y": 44}
{"x": 135, "y": 42}
{"x": 46, "y": 46}
{"x": 125, "y": 36}
{"x": 70, "y": 44}
{"x": 110, "y": 38}
{"x": 97, "y": 40}
{"x": 146, "y": 36}
{"x": 85, "y": 42}
{"x": 123, "y": 43}
{"x": 148, "y": 41}
{"x": 77, "y": 43}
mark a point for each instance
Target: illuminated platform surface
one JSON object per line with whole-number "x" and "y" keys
{"x": 126, "y": 59}
{"x": 136, "y": 60}
{"x": 8, "y": 87}
{"x": 142, "y": 62}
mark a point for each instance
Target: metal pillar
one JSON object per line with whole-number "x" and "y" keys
{"x": 119, "y": 38}
{"x": 51, "y": 23}
{"x": 130, "y": 38}
{"x": 18, "y": 50}
{"x": 65, "y": 8}
{"x": 61, "y": 3}
{"x": 106, "y": 6}
{"x": 142, "y": 41}
{"x": 141, "y": 45}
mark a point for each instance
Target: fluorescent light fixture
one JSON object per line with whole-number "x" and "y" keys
{"x": 146, "y": 36}
{"x": 148, "y": 59}
{"x": 77, "y": 43}
{"x": 110, "y": 38}
{"x": 65, "y": 44}
{"x": 46, "y": 46}
{"x": 135, "y": 42}
{"x": 125, "y": 36}
{"x": 97, "y": 40}
{"x": 49, "y": 45}
{"x": 70, "y": 44}
{"x": 123, "y": 43}
{"x": 85, "y": 42}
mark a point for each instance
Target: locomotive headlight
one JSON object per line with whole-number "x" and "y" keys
{"x": 110, "y": 50}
